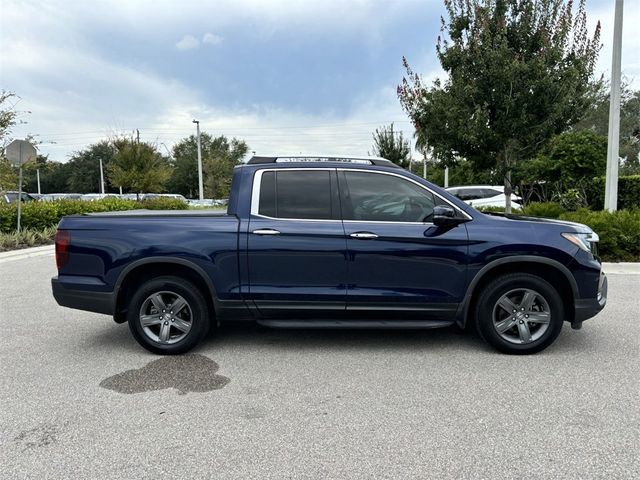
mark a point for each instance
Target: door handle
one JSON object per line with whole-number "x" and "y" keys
{"x": 363, "y": 235}
{"x": 266, "y": 231}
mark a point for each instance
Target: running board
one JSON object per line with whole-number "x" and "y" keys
{"x": 386, "y": 324}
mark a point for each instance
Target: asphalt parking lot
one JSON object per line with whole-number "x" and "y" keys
{"x": 80, "y": 399}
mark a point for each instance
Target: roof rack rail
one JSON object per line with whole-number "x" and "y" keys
{"x": 377, "y": 161}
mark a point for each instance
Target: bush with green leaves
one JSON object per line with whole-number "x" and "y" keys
{"x": 40, "y": 215}
{"x": 628, "y": 192}
{"x": 546, "y": 209}
{"x": 619, "y": 232}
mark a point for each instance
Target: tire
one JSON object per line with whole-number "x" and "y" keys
{"x": 155, "y": 325}
{"x": 519, "y": 314}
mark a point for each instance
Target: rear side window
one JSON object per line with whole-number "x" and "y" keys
{"x": 296, "y": 194}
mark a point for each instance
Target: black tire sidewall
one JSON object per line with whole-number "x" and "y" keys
{"x": 500, "y": 286}
{"x": 193, "y": 296}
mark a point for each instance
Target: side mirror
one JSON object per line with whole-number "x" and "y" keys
{"x": 445, "y": 216}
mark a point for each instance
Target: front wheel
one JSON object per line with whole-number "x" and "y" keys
{"x": 168, "y": 315}
{"x": 519, "y": 314}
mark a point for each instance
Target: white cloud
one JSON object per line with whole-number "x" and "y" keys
{"x": 212, "y": 39}
{"x": 188, "y": 42}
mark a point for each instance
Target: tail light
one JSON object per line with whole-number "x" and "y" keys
{"x": 63, "y": 239}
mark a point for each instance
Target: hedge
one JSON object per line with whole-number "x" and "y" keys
{"x": 619, "y": 231}
{"x": 628, "y": 192}
{"x": 40, "y": 215}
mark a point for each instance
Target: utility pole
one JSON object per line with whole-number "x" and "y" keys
{"x": 200, "y": 189}
{"x": 446, "y": 177}
{"x": 611, "y": 184}
{"x": 424, "y": 163}
{"x": 137, "y": 136}
{"x": 101, "y": 179}
{"x": 38, "y": 178}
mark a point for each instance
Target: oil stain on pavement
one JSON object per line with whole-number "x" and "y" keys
{"x": 185, "y": 373}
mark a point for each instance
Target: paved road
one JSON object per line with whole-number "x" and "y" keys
{"x": 80, "y": 399}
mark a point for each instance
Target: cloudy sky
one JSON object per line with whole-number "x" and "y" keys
{"x": 287, "y": 76}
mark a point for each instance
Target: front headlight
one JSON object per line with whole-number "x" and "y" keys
{"x": 586, "y": 241}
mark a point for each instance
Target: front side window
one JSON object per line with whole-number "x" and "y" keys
{"x": 385, "y": 198}
{"x": 296, "y": 194}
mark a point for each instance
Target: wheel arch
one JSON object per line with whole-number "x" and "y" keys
{"x": 550, "y": 270}
{"x": 149, "y": 267}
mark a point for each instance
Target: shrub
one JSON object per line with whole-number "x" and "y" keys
{"x": 628, "y": 192}
{"x": 546, "y": 209}
{"x": 26, "y": 238}
{"x": 163, "y": 203}
{"x": 619, "y": 232}
{"x": 40, "y": 215}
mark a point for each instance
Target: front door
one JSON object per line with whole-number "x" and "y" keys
{"x": 296, "y": 244}
{"x": 400, "y": 264}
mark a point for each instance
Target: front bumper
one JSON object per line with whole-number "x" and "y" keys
{"x": 586, "y": 308}
{"x": 91, "y": 301}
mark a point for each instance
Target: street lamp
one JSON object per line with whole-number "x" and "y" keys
{"x": 200, "y": 189}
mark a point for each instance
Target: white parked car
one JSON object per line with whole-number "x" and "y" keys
{"x": 484, "y": 195}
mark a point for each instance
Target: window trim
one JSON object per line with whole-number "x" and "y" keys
{"x": 255, "y": 194}
{"x": 257, "y": 181}
{"x": 409, "y": 180}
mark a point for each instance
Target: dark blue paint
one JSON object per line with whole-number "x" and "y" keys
{"x": 314, "y": 268}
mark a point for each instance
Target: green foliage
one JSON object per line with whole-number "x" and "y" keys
{"x": 597, "y": 120}
{"x": 26, "y": 238}
{"x": 83, "y": 169}
{"x": 219, "y": 156}
{"x": 8, "y": 114}
{"x": 461, "y": 172}
{"x": 518, "y": 73}
{"x": 137, "y": 167}
{"x": 8, "y": 177}
{"x": 628, "y": 192}
{"x": 571, "y": 199}
{"x": 391, "y": 145}
{"x": 54, "y": 176}
{"x": 545, "y": 210}
{"x": 619, "y": 232}
{"x": 41, "y": 215}
{"x": 163, "y": 203}
{"x": 569, "y": 158}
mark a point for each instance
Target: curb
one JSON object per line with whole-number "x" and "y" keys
{"x": 26, "y": 253}
{"x": 622, "y": 268}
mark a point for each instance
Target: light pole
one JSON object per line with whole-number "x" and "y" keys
{"x": 200, "y": 189}
{"x": 101, "y": 178}
{"x": 611, "y": 184}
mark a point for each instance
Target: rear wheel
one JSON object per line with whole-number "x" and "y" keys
{"x": 168, "y": 315}
{"x": 519, "y": 314}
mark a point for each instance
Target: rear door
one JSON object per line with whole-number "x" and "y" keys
{"x": 400, "y": 264}
{"x": 296, "y": 244}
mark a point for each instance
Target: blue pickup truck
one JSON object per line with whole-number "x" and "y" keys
{"x": 330, "y": 242}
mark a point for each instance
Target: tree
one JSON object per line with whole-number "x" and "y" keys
{"x": 392, "y": 146}
{"x": 8, "y": 115}
{"x": 8, "y": 177}
{"x": 54, "y": 176}
{"x": 519, "y": 72}
{"x": 138, "y": 167}
{"x": 83, "y": 168}
{"x": 597, "y": 120}
{"x": 219, "y": 156}
{"x": 568, "y": 160}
